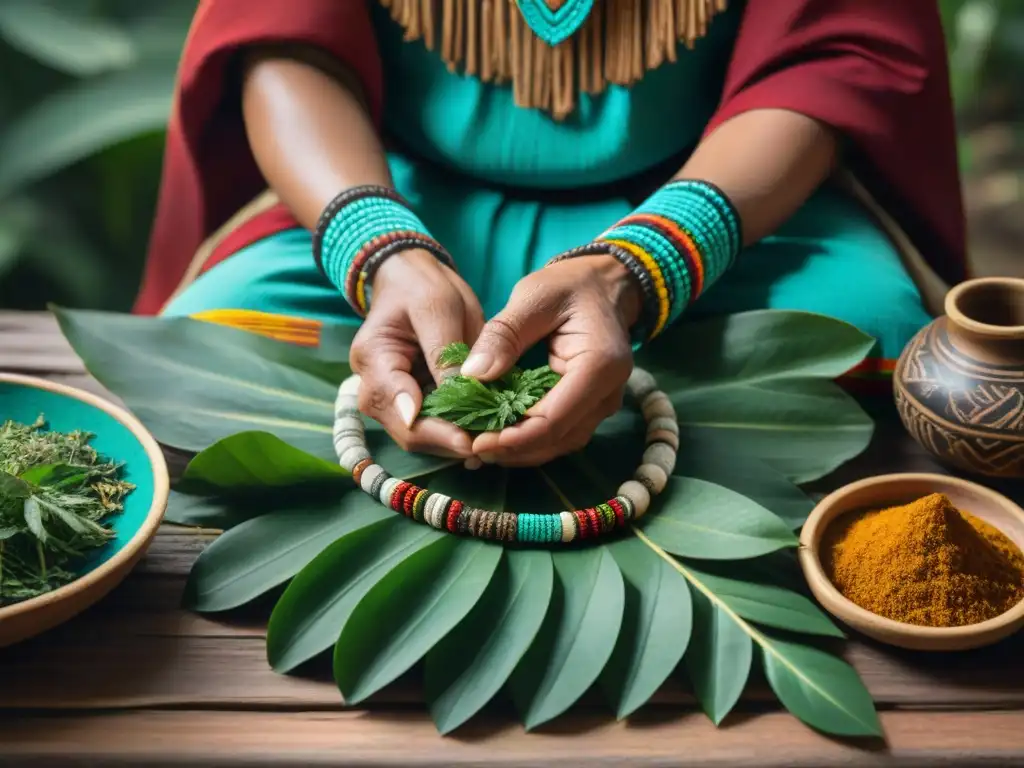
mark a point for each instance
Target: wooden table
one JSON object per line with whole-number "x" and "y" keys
{"x": 138, "y": 681}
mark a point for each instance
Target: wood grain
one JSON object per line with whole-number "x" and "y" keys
{"x": 398, "y": 738}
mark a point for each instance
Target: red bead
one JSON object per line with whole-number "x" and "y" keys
{"x": 408, "y": 499}
{"x": 581, "y": 519}
{"x": 620, "y": 515}
{"x": 397, "y": 495}
{"x": 452, "y": 523}
{"x": 594, "y": 519}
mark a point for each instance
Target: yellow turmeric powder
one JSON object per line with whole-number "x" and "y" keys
{"x": 925, "y": 563}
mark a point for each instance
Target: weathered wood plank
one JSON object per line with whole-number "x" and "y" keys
{"x": 31, "y": 342}
{"x": 239, "y": 739}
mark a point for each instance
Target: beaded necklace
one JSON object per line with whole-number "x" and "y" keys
{"x": 447, "y": 514}
{"x": 550, "y": 50}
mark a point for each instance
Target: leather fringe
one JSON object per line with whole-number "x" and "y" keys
{"x": 619, "y": 42}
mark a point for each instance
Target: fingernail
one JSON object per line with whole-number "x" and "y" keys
{"x": 477, "y": 364}
{"x": 487, "y": 458}
{"x": 406, "y": 408}
{"x": 473, "y": 463}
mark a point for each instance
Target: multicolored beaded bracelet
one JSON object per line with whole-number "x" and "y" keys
{"x": 358, "y": 230}
{"x": 447, "y": 514}
{"x": 677, "y": 243}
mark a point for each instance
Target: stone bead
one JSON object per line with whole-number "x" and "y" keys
{"x": 660, "y": 455}
{"x": 369, "y": 476}
{"x": 568, "y": 526}
{"x": 670, "y": 439}
{"x": 652, "y": 477}
{"x": 387, "y": 489}
{"x": 348, "y": 422}
{"x": 640, "y": 384}
{"x": 350, "y": 387}
{"x": 342, "y": 443}
{"x": 663, "y": 422}
{"x": 346, "y": 405}
{"x": 657, "y": 405}
{"x": 637, "y": 495}
{"x": 352, "y": 456}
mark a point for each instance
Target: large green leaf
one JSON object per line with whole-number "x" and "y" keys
{"x": 266, "y": 551}
{"x": 694, "y": 518}
{"x": 71, "y": 125}
{"x": 719, "y": 658}
{"x": 468, "y": 667}
{"x": 212, "y": 511}
{"x": 65, "y": 38}
{"x": 751, "y": 348}
{"x": 767, "y": 604}
{"x": 802, "y": 428}
{"x": 576, "y": 639}
{"x": 308, "y": 617}
{"x": 655, "y": 630}
{"x": 407, "y": 613}
{"x": 259, "y": 459}
{"x": 822, "y": 690}
{"x": 751, "y": 477}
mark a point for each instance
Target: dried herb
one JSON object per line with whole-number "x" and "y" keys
{"x": 485, "y": 407}
{"x": 56, "y": 492}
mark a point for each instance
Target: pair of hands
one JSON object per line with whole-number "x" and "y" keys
{"x": 583, "y": 306}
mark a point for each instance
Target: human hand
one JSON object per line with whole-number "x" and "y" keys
{"x": 419, "y": 306}
{"x": 586, "y": 306}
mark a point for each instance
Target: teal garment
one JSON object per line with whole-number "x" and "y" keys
{"x": 464, "y": 143}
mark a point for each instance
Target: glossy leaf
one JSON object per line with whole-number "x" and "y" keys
{"x": 471, "y": 664}
{"x": 576, "y": 639}
{"x": 752, "y": 478}
{"x": 407, "y": 613}
{"x": 225, "y": 512}
{"x": 259, "y": 460}
{"x": 750, "y": 348}
{"x": 308, "y": 617}
{"x": 767, "y": 604}
{"x": 64, "y": 37}
{"x": 802, "y": 428}
{"x": 718, "y": 659}
{"x": 266, "y": 551}
{"x": 655, "y": 630}
{"x": 71, "y": 125}
{"x": 694, "y": 518}
{"x": 12, "y": 487}
{"x": 822, "y": 690}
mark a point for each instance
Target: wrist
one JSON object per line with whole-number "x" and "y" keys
{"x": 621, "y": 285}
{"x": 396, "y": 270}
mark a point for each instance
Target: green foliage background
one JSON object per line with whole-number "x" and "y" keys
{"x": 87, "y": 88}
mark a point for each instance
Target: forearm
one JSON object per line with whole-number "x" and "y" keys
{"x": 309, "y": 132}
{"x": 767, "y": 162}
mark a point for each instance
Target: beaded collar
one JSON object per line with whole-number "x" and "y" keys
{"x": 447, "y": 514}
{"x": 551, "y": 50}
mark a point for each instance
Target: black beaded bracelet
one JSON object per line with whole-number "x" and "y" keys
{"x": 342, "y": 199}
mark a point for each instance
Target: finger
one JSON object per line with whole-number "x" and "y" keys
{"x": 493, "y": 450}
{"x": 531, "y": 315}
{"x": 436, "y": 325}
{"x": 389, "y": 394}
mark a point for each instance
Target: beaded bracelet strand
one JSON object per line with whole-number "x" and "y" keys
{"x": 358, "y": 230}
{"x": 677, "y": 244}
{"x": 631, "y": 501}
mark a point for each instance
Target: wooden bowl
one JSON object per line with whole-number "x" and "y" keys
{"x": 893, "y": 490}
{"x": 118, "y": 436}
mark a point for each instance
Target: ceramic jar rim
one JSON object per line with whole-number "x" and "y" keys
{"x": 976, "y": 327}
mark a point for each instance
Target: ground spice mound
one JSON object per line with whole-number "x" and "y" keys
{"x": 925, "y": 563}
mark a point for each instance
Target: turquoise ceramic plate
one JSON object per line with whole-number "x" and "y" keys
{"x": 119, "y": 436}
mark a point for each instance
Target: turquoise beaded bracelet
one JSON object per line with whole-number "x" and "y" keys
{"x": 447, "y": 514}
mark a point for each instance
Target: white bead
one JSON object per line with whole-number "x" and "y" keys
{"x": 370, "y": 474}
{"x": 661, "y": 455}
{"x": 638, "y": 495}
{"x": 657, "y": 405}
{"x": 348, "y": 422}
{"x": 439, "y": 506}
{"x": 350, "y": 386}
{"x": 428, "y": 509}
{"x": 352, "y": 456}
{"x": 387, "y": 489}
{"x": 652, "y": 477}
{"x": 568, "y": 526}
{"x": 345, "y": 405}
{"x": 663, "y": 422}
{"x": 342, "y": 444}
{"x": 640, "y": 384}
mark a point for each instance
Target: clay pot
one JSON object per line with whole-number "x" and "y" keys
{"x": 959, "y": 384}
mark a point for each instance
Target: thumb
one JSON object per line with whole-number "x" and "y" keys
{"x": 506, "y": 337}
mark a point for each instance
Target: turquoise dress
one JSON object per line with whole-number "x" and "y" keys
{"x": 500, "y": 187}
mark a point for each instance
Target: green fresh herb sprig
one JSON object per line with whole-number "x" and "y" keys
{"x": 56, "y": 492}
{"x": 485, "y": 407}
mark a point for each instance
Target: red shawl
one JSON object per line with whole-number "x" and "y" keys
{"x": 873, "y": 69}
